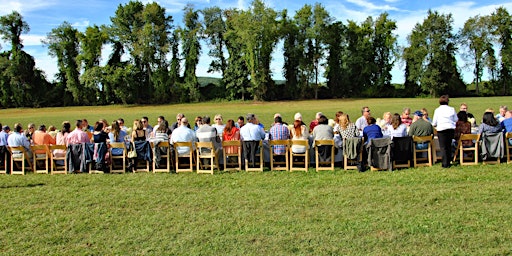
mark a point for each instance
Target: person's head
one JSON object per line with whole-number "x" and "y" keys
{"x": 424, "y": 111}
{"x": 98, "y": 126}
{"x": 78, "y": 124}
{"x": 137, "y": 125}
{"x": 206, "y": 120}
{"x": 145, "y": 121}
{"x": 198, "y": 121}
{"x": 462, "y": 116}
{"x": 297, "y": 116}
{"x": 6, "y": 128}
{"x": 406, "y": 112}
{"x": 318, "y": 115}
{"x": 365, "y": 111}
{"x": 444, "y": 100}
{"x": 337, "y": 116}
{"x": 396, "y": 120}
{"x": 229, "y": 125}
{"x": 323, "y": 120}
{"x": 163, "y": 126}
{"x": 251, "y": 118}
{"x": 344, "y": 121}
{"x": 417, "y": 115}
{"x": 218, "y": 119}
{"x": 42, "y": 128}
{"x": 184, "y": 121}
{"x": 277, "y": 114}
{"x": 489, "y": 110}
{"x": 508, "y": 114}
{"x": 31, "y": 127}
{"x": 85, "y": 123}
{"x": 179, "y": 118}
{"x": 66, "y": 127}
{"x": 51, "y": 128}
{"x": 370, "y": 120}
{"x": 114, "y": 127}
{"x": 18, "y": 127}
{"x": 105, "y": 123}
{"x": 387, "y": 117}
{"x": 160, "y": 119}
{"x": 278, "y": 119}
{"x": 489, "y": 119}
{"x": 503, "y": 110}
{"x": 463, "y": 107}
{"x": 240, "y": 121}
{"x": 120, "y": 121}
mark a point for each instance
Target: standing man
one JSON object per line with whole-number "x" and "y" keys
{"x": 251, "y": 134}
{"x": 444, "y": 120}
{"x": 362, "y": 122}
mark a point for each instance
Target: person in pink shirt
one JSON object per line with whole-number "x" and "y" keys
{"x": 77, "y": 136}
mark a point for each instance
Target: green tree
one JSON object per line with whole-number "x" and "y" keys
{"x": 191, "y": 51}
{"x": 431, "y": 56}
{"x": 214, "y": 30}
{"x": 501, "y": 22}
{"x": 292, "y": 56}
{"x": 334, "y": 71}
{"x": 385, "y": 50}
{"x": 63, "y": 43}
{"x": 476, "y": 39}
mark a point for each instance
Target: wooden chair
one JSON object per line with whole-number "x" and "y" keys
{"x": 40, "y": 154}
{"x": 508, "y": 147}
{"x": 284, "y": 165}
{"x": 494, "y": 153}
{"x": 18, "y": 158}
{"x": 166, "y": 157}
{"x": 460, "y": 150}
{"x": 55, "y": 168}
{"x": 258, "y": 154}
{"x": 304, "y": 155}
{"x": 330, "y": 144}
{"x": 122, "y": 157}
{"x": 351, "y": 164}
{"x": 228, "y": 154}
{"x": 190, "y": 156}
{"x": 205, "y": 151}
{"x": 422, "y": 161}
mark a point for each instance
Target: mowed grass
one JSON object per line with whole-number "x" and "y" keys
{"x": 417, "y": 211}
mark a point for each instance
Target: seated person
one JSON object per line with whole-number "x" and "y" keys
{"x": 489, "y": 124}
{"x": 506, "y": 124}
{"x": 323, "y": 132}
{"x": 183, "y": 134}
{"x": 420, "y": 127}
{"x": 299, "y": 131}
{"x": 396, "y": 128}
{"x": 116, "y": 135}
{"x": 40, "y": 137}
{"x": 372, "y": 131}
{"x": 463, "y": 126}
{"x": 18, "y": 139}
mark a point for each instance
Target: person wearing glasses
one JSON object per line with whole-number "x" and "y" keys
{"x": 361, "y": 122}
{"x": 183, "y": 134}
{"x": 147, "y": 127}
{"x": 177, "y": 124}
{"x": 219, "y": 125}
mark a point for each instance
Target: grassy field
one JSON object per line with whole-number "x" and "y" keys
{"x": 418, "y": 211}
{"x": 231, "y": 110}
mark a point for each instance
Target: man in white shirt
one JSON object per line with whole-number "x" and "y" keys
{"x": 361, "y": 122}
{"x": 251, "y": 134}
{"x": 183, "y": 134}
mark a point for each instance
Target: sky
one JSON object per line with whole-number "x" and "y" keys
{"x": 43, "y": 16}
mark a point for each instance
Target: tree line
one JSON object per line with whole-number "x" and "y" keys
{"x": 154, "y": 61}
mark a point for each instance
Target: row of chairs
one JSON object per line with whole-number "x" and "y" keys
{"x": 469, "y": 153}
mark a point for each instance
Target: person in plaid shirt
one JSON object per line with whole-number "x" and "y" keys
{"x": 278, "y": 131}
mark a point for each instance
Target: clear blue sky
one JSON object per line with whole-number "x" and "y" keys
{"x": 43, "y": 15}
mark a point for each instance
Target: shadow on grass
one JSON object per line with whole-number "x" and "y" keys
{"x": 22, "y": 186}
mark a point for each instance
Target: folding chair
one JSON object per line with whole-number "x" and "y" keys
{"x": 18, "y": 157}
{"x": 330, "y": 145}
{"x": 40, "y": 154}
{"x": 122, "y": 157}
{"x": 231, "y": 149}
{"x": 205, "y": 152}
{"x": 351, "y": 164}
{"x": 257, "y": 154}
{"x": 467, "y": 159}
{"x": 422, "y": 140}
{"x": 492, "y": 148}
{"x": 166, "y": 157}
{"x": 189, "y": 156}
{"x": 402, "y": 152}
{"x": 304, "y": 155}
{"x": 284, "y": 166}
{"x": 56, "y": 168}
{"x": 508, "y": 147}
{"x": 379, "y": 154}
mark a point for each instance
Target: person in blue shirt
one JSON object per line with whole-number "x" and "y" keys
{"x": 372, "y": 131}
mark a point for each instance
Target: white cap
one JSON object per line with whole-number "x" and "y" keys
{"x": 297, "y": 116}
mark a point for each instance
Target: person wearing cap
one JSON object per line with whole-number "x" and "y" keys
{"x": 362, "y": 122}
{"x": 299, "y": 131}
{"x": 41, "y": 137}
{"x": 314, "y": 123}
{"x": 419, "y": 126}
{"x": 4, "y": 134}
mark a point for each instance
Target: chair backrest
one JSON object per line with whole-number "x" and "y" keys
{"x": 422, "y": 139}
{"x": 300, "y": 143}
{"x": 330, "y": 152}
{"x": 19, "y": 154}
{"x": 40, "y": 153}
{"x": 279, "y": 142}
{"x": 402, "y": 148}
{"x": 493, "y": 146}
{"x": 117, "y": 145}
{"x": 183, "y": 144}
{"x": 206, "y": 145}
{"x": 473, "y": 137}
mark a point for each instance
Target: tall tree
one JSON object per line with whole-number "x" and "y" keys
{"x": 501, "y": 22}
{"x": 476, "y": 39}
{"x": 191, "y": 50}
{"x": 214, "y": 30}
{"x": 63, "y": 43}
{"x": 384, "y": 47}
{"x": 305, "y": 48}
{"x": 334, "y": 74}
{"x": 11, "y": 28}
{"x": 291, "y": 54}
{"x": 321, "y": 20}
{"x": 431, "y": 56}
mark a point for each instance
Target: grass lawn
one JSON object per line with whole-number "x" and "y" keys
{"x": 418, "y": 211}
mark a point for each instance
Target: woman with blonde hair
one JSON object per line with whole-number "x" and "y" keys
{"x": 116, "y": 135}
{"x": 218, "y": 125}
{"x": 347, "y": 129}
